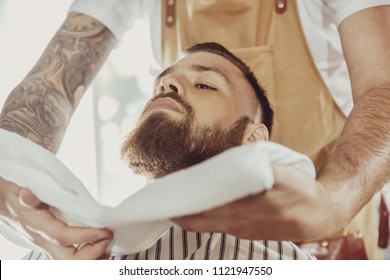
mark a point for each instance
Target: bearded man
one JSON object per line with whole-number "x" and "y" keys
{"x": 204, "y": 104}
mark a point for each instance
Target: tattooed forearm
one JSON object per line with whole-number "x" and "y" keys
{"x": 41, "y": 106}
{"x": 37, "y": 112}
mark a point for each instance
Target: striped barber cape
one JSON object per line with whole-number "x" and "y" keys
{"x": 179, "y": 244}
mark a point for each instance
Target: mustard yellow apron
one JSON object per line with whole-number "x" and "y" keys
{"x": 267, "y": 35}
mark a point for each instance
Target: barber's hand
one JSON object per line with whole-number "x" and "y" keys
{"x": 294, "y": 209}
{"x": 22, "y": 208}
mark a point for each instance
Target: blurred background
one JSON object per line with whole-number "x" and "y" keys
{"x": 106, "y": 113}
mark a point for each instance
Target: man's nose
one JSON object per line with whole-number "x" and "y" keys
{"x": 171, "y": 83}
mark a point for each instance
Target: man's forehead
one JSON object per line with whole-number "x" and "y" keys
{"x": 207, "y": 61}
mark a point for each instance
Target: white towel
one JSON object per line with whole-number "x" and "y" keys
{"x": 141, "y": 219}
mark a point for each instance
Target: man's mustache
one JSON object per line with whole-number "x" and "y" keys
{"x": 187, "y": 107}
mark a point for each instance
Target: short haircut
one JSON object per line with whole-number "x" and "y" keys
{"x": 212, "y": 47}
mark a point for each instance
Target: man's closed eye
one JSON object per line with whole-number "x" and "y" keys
{"x": 205, "y": 86}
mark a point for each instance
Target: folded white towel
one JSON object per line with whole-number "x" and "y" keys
{"x": 139, "y": 220}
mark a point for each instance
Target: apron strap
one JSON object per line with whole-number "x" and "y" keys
{"x": 267, "y": 10}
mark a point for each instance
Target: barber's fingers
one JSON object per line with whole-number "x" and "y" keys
{"x": 203, "y": 223}
{"x": 50, "y": 233}
{"x": 36, "y": 217}
{"x": 28, "y": 199}
{"x": 7, "y": 192}
{"x": 43, "y": 223}
{"x": 14, "y": 199}
{"x": 68, "y": 235}
{"x": 86, "y": 251}
{"x": 92, "y": 251}
{"x": 237, "y": 218}
{"x": 217, "y": 219}
{"x": 200, "y": 223}
{"x": 60, "y": 240}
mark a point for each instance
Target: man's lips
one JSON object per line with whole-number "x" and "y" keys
{"x": 166, "y": 103}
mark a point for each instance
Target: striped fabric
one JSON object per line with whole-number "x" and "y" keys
{"x": 178, "y": 244}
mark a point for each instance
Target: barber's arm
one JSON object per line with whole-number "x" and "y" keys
{"x": 41, "y": 106}
{"x": 359, "y": 164}
{"x": 39, "y": 109}
{"x": 299, "y": 208}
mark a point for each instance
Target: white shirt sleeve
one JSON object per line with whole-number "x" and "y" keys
{"x": 341, "y": 9}
{"x": 320, "y": 19}
{"x": 117, "y": 15}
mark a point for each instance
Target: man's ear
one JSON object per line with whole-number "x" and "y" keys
{"x": 255, "y": 132}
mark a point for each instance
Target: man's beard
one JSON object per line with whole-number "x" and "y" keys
{"x": 160, "y": 145}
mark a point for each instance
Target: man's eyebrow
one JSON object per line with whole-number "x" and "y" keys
{"x": 197, "y": 68}
{"x": 202, "y": 68}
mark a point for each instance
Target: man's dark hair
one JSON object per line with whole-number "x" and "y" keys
{"x": 212, "y": 47}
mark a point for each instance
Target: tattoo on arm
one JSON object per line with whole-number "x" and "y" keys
{"x": 41, "y": 106}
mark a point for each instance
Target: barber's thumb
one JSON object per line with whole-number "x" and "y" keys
{"x": 28, "y": 199}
